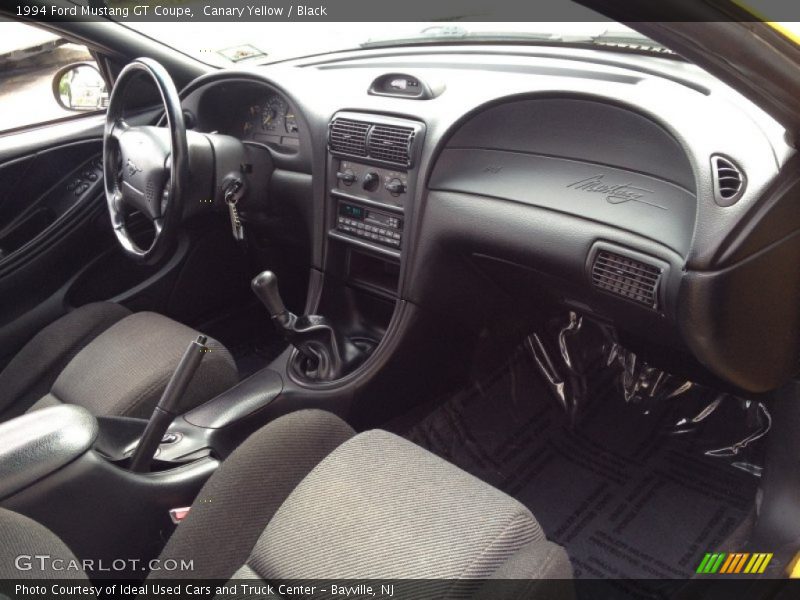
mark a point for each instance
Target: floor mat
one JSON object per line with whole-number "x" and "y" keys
{"x": 624, "y": 498}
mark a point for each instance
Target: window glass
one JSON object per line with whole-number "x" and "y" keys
{"x": 30, "y": 59}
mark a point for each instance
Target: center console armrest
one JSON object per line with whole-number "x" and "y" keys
{"x": 39, "y": 443}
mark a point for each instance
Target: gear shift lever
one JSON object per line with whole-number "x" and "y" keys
{"x": 265, "y": 286}
{"x": 325, "y": 355}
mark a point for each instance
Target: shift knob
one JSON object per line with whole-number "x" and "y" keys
{"x": 265, "y": 286}
{"x": 323, "y": 354}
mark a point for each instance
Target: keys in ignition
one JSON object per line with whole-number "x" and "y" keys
{"x": 231, "y": 199}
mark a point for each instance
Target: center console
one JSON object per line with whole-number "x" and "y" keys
{"x": 370, "y": 177}
{"x": 69, "y": 471}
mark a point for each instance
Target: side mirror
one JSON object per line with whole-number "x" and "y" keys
{"x": 80, "y": 87}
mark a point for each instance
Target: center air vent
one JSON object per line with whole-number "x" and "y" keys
{"x": 384, "y": 139}
{"x": 349, "y": 137}
{"x": 627, "y": 277}
{"x": 729, "y": 181}
{"x": 391, "y": 144}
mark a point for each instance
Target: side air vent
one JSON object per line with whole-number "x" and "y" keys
{"x": 391, "y": 143}
{"x": 729, "y": 181}
{"x": 627, "y": 277}
{"x": 348, "y": 136}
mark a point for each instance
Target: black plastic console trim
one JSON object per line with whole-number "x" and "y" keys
{"x": 366, "y": 201}
{"x": 395, "y": 255}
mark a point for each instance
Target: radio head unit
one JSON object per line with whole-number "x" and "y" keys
{"x": 369, "y": 224}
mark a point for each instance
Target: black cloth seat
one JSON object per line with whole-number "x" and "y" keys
{"x": 306, "y": 498}
{"x": 112, "y": 362}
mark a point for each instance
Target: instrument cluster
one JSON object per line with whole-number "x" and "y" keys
{"x": 271, "y": 120}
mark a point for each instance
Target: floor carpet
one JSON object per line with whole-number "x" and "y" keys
{"x": 626, "y": 497}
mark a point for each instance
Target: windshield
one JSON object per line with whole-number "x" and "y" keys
{"x": 226, "y": 43}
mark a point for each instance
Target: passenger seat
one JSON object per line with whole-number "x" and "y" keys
{"x": 306, "y": 498}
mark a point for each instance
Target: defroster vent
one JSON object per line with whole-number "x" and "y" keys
{"x": 627, "y": 277}
{"x": 348, "y": 136}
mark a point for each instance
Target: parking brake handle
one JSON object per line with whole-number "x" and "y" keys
{"x": 167, "y": 406}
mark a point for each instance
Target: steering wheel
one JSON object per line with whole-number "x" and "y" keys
{"x": 145, "y": 168}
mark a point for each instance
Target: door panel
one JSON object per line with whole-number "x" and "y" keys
{"x": 52, "y": 222}
{"x": 60, "y": 251}
{"x": 42, "y": 190}
{"x": 57, "y": 247}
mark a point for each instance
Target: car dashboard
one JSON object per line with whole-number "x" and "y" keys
{"x": 634, "y": 190}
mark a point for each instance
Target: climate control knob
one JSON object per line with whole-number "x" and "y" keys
{"x": 371, "y": 181}
{"x": 395, "y": 187}
{"x": 347, "y": 176}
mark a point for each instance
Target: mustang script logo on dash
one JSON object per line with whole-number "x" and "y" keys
{"x": 615, "y": 193}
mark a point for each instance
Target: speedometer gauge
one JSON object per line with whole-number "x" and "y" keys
{"x": 273, "y": 114}
{"x": 268, "y": 118}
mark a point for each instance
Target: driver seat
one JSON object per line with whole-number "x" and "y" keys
{"x": 110, "y": 361}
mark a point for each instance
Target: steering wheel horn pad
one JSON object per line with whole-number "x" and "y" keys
{"x": 144, "y": 152}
